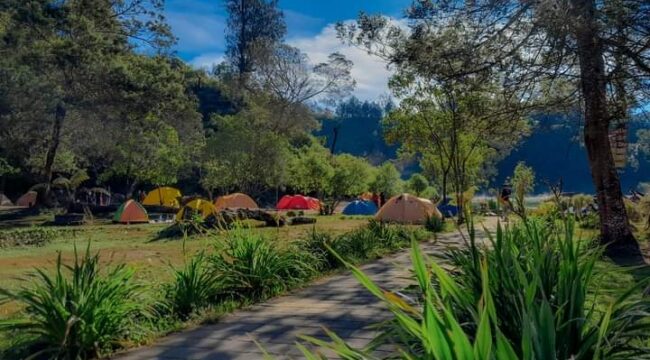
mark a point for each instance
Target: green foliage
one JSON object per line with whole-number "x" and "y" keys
{"x": 523, "y": 182}
{"x": 6, "y": 169}
{"x": 417, "y": 184}
{"x": 435, "y": 330}
{"x": 77, "y": 312}
{"x": 590, "y": 221}
{"x": 524, "y": 297}
{"x": 251, "y": 266}
{"x": 311, "y": 169}
{"x": 374, "y": 240}
{"x": 434, "y": 224}
{"x": 386, "y": 180}
{"x": 194, "y": 287}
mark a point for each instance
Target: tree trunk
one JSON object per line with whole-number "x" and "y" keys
{"x": 55, "y": 140}
{"x": 615, "y": 230}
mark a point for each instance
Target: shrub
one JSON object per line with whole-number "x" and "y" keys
{"x": 76, "y": 316}
{"x": 434, "y": 224}
{"x": 291, "y": 213}
{"x": 193, "y": 287}
{"x": 252, "y": 267}
{"x": 318, "y": 244}
{"x": 374, "y": 240}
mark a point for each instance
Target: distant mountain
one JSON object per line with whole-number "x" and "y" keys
{"x": 554, "y": 148}
{"x": 556, "y": 152}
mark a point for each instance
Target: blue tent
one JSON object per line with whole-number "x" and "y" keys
{"x": 447, "y": 209}
{"x": 360, "y": 207}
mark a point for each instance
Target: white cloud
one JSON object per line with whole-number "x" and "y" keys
{"x": 206, "y": 61}
{"x": 369, "y": 71}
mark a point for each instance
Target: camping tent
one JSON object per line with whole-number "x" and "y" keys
{"x": 131, "y": 212}
{"x": 163, "y": 196}
{"x": 407, "y": 209}
{"x": 447, "y": 209}
{"x": 298, "y": 202}
{"x": 360, "y": 207}
{"x": 28, "y": 199}
{"x": 235, "y": 201}
{"x": 196, "y": 206}
{"x": 4, "y": 201}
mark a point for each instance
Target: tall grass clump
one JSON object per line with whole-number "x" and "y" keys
{"x": 375, "y": 240}
{"x": 77, "y": 312}
{"x": 533, "y": 293}
{"x": 434, "y": 224}
{"x": 193, "y": 287}
{"x": 318, "y": 244}
{"x": 250, "y": 266}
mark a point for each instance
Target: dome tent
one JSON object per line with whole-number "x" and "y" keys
{"x": 298, "y": 202}
{"x": 163, "y": 196}
{"x": 407, "y": 209}
{"x": 131, "y": 212}
{"x": 235, "y": 201}
{"x": 204, "y": 208}
{"x": 360, "y": 207}
{"x": 4, "y": 200}
{"x": 28, "y": 199}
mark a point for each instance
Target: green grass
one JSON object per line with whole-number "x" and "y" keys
{"x": 218, "y": 272}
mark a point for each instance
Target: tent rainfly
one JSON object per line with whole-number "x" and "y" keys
{"x": 28, "y": 199}
{"x": 407, "y": 209}
{"x": 235, "y": 201}
{"x": 360, "y": 207}
{"x": 204, "y": 208}
{"x": 163, "y": 196}
{"x": 131, "y": 212}
{"x": 298, "y": 202}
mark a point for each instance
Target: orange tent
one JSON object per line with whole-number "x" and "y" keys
{"x": 28, "y": 199}
{"x": 407, "y": 209}
{"x": 131, "y": 212}
{"x": 235, "y": 201}
{"x": 366, "y": 196}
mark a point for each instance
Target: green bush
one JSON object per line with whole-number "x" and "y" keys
{"x": 250, "y": 266}
{"x": 374, "y": 240}
{"x": 34, "y": 236}
{"x": 194, "y": 287}
{"x": 434, "y": 224}
{"x": 78, "y": 312}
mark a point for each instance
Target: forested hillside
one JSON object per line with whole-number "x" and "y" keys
{"x": 553, "y": 148}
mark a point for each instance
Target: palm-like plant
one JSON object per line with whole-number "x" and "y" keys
{"x": 78, "y": 311}
{"x": 252, "y": 267}
{"x": 194, "y": 286}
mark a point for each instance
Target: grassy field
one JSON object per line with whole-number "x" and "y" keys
{"x": 136, "y": 245}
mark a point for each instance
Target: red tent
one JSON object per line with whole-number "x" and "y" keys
{"x": 298, "y": 202}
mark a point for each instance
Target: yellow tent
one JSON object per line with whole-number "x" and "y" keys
{"x": 196, "y": 206}
{"x": 407, "y": 209}
{"x": 163, "y": 196}
{"x": 235, "y": 201}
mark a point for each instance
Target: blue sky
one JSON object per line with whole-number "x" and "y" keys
{"x": 199, "y": 26}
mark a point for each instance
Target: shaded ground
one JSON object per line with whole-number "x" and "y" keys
{"x": 339, "y": 303}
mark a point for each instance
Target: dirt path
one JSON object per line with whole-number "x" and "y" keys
{"x": 339, "y": 303}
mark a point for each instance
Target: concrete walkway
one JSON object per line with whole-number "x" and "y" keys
{"x": 338, "y": 303}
